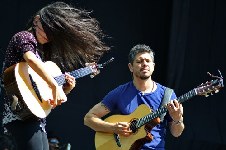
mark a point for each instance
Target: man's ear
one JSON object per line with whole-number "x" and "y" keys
{"x": 130, "y": 67}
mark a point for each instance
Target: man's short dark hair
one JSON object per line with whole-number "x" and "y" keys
{"x": 139, "y": 48}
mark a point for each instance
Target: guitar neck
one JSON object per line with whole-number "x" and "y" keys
{"x": 142, "y": 121}
{"x": 76, "y": 74}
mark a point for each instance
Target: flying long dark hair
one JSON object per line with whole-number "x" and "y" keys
{"x": 74, "y": 36}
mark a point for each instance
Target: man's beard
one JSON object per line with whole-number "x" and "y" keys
{"x": 144, "y": 77}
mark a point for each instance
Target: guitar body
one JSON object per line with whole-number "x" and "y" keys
{"x": 105, "y": 141}
{"x": 17, "y": 82}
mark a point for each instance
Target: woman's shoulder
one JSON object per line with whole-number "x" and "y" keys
{"x": 23, "y": 34}
{"x": 23, "y": 37}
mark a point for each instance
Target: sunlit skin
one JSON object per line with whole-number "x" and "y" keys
{"x": 70, "y": 80}
{"x": 40, "y": 33}
{"x": 42, "y": 39}
{"x": 143, "y": 66}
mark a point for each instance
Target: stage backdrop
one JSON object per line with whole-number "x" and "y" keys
{"x": 188, "y": 37}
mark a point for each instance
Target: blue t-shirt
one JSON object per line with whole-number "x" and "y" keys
{"x": 126, "y": 98}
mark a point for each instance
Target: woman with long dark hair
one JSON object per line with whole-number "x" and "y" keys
{"x": 60, "y": 33}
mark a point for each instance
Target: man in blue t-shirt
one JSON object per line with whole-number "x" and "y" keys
{"x": 135, "y": 99}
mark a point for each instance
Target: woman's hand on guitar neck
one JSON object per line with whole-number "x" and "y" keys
{"x": 59, "y": 93}
{"x": 70, "y": 83}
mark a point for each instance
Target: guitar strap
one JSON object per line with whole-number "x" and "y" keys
{"x": 167, "y": 95}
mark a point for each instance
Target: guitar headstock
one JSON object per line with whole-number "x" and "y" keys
{"x": 96, "y": 67}
{"x": 211, "y": 87}
{"x": 94, "y": 70}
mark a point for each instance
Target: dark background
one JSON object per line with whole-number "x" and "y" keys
{"x": 189, "y": 38}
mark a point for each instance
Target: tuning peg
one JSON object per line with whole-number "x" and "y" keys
{"x": 91, "y": 76}
{"x": 216, "y": 91}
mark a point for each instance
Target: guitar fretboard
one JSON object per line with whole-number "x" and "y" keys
{"x": 142, "y": 121}
{"x": 76, "y": 74}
